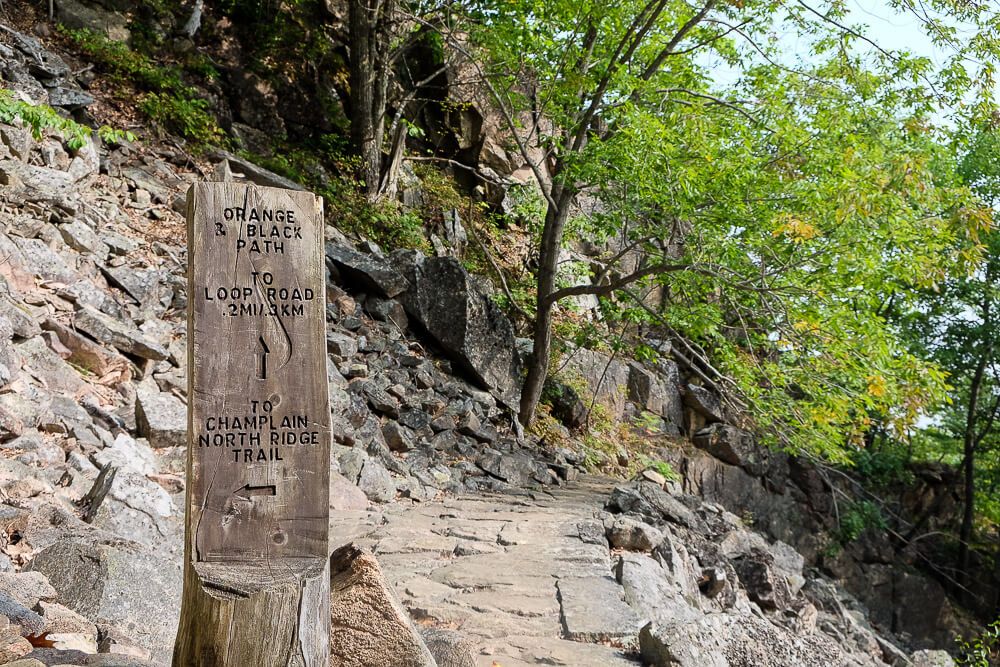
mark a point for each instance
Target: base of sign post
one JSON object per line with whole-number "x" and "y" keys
{"x": 266, "y": 615}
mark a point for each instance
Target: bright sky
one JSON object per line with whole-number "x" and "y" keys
{"x": 893, "y": 31}
{"x": 886, "y": 27}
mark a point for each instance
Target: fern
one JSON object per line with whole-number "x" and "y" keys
{"x": 39, "y": 118}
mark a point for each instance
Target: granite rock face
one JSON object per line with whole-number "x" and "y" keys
{"x": 124, "y": 586}
{"x": 468, "y": 325}
{"x": 369, "y": 627}
{"x": 447, "y": 304}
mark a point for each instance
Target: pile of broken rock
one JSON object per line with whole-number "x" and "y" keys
{"x": 714, "y": 593}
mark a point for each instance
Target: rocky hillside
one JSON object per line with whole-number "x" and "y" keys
{"x": 493, "y": 547}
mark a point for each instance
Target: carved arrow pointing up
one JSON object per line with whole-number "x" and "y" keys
{"x": 263, "y": 358}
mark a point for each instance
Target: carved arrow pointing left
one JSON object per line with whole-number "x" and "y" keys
{"x": 247, "y": 490}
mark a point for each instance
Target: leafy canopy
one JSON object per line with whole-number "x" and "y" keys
{"x": 782, "y": 208}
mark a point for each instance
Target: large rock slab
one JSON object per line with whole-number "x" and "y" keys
{"x": 253, "y": 172}
{"x": 124, "y": 585}
{"x": 704, "y": 403}
{"x": 120, "y": 335}
{"x": 149, "y": 287}
{"x": 440, "y": 295}
{"x": 724, "y": 640}
{"x": 727, "y": 443}
{"x": 650, "y": 592}
{"x": 370, "y": 272}
{"x": 764, "y": 585}
{"x": 85, "y": 352}
{"x": 593, "y": 609}
{"x": 41, "y": 362}
{"x": 44, "y": 262}
{"x": 80, "y": 237}
{"x": 369, "y": 627}
{"x": 468, "y": 325}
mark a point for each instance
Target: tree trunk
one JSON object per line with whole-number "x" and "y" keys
{"x": 235, "y": 615}
{"x": 968, "y": 513}
{"x": 369, "y": 71}
{"x": 996, "y": 579}
{"x": 552, "y": 233}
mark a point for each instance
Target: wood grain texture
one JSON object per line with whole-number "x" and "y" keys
{"x": 259, "y": 421}
{"x": 241, "y": 615}
{"x": 256, "y": 581}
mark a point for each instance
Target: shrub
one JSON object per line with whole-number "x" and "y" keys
{"x": 40, "y": 117}
{"x": 981, "y": 651}
{"x": 858, "y": 517}
{"x": 884, "y": 467}
{"x": 170, "y": 102}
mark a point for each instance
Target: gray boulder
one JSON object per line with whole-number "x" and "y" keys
{"x": 123, "y": 585}
{"x": 764, "y": 585}
{"x": 651, "y": 501}
{"x": 928, "y": 658}
{"x": 472, "y": 329}
{"x": 632, "y": 535}
{"x": 29, "y": 622}
{"x": 650, "y": 592}
{"x": 120, "y": 335}
{"x": 160, "y": 417}
{"x": 727, "y": 443}
{"x": 703, "y": 402}
{"x": 516, "y": 469}
{"x": 376, "y": 482}
{"x": 74, "y": 14}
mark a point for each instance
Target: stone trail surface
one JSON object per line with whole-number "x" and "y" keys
{"x": 516, "y": 574}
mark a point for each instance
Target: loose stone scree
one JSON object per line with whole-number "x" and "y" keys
{"x": 256, "y": 576}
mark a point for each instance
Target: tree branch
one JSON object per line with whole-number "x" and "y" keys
{"x": 668, "y": 50}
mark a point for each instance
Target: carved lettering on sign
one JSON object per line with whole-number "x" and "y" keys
{"x": 259, "y": 417}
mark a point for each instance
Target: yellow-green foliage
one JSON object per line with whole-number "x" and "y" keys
{"x": 662, "y": 467}
{"x": 39, "y": 118}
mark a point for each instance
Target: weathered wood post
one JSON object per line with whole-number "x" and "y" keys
{"x": 256, "y": 575}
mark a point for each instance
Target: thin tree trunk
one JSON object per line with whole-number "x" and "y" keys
{"x": 369, "y": 83}
{"x": 968, "y": 512}
{"x": 552, "y": 233}
{"x": 194, "y": 21}
{"x": 971, "y": 440}
{"x": 996, "y": 579}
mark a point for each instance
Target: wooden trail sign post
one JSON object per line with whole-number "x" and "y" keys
{"x": 256, "y": 575}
